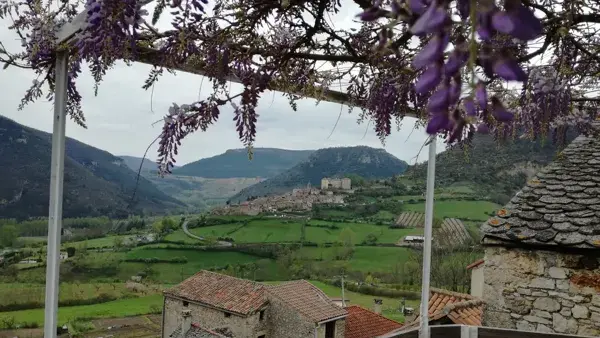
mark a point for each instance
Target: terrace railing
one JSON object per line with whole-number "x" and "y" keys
{"x": 463, "y": 331}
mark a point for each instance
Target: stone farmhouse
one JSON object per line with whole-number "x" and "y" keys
{"x": 336, "y": 183}
{"x": 541, "y": 270}
{"x": 212, "y": 305}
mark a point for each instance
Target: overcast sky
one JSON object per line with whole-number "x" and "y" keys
{"x": 120, "y": 118}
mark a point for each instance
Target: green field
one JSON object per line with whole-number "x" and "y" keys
{"x": 102, "y": 242}
{"x": 258, "y": 231}
{"x": 458, "y": 209}
{"x": 117, "y": 308}
{"x": 197, "y": 260}
{"x": 365, "y": 258}
{"x": 277, "y": 231}
{"x": 21, "y": 293}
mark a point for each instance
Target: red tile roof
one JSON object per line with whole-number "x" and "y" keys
{"x": 235, "y": 295}
{"x": 460, "y": 308}
{"x": 475, "y": 264}
{"x": 308, "y": 300}
{"x": 362, "y": 323}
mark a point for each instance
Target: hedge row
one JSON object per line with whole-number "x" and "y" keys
{"x": 101, "y": 298}
{"x": 376, "y": 291}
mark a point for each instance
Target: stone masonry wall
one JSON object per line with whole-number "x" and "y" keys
{"x": 285, "y": 322}
{"x": 541, "y": 291}
{"x": 241, "y": 327}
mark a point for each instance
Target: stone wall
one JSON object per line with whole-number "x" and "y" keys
{"x": 340, "y": 327}
{"x": 542, "y": 291}
{"x": 241, "y": 327}
{"x": 286, "y": 322}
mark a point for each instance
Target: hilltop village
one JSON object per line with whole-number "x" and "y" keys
{"x": 332, "y": 191}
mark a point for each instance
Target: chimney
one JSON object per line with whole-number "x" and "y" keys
{"x": 186, "y": 323}
{"x": 377, "y": 306}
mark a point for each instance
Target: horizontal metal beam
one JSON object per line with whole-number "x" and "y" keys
{"x": 68, "y": 30}
{"x": 153, "y": 57}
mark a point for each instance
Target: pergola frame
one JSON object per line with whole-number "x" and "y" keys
{"x": 65, "y": 34}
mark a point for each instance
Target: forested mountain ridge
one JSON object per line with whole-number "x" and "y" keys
{"x": 495, "y": 170}
{"x": 329, "y": 162}
{"x": 266, "y": 162}
{"x": 95, "y": 181}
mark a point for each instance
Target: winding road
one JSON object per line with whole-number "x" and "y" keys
{"x": 185, "y": 229}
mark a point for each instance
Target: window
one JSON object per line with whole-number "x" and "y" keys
{"x": 186, "y": 303}
{"x": 330, "y": 329}
{"x": 262, "y": 336}
{"x": 227, "y": 314}
{"x": 261, "y": 316}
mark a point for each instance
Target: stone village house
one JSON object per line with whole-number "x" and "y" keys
{"x": 541, "y": 270}
{"x": 212, "y": 305}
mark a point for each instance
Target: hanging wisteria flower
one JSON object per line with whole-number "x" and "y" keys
{"x": 455, "y": 79}
{"x": 440, "y": 75}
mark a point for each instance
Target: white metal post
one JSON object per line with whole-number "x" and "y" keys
{"x": 57, "y": 171}
{"x": 343, "y": 295}
{"x": 424, "y": 330}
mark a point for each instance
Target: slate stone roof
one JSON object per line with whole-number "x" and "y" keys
{"x": 362, "y": 323}
{"x": 560, "y": 206}
{"x": 235, "y": 295}
{"x": 308, "y": 300}
{"x": 410, "y": 220}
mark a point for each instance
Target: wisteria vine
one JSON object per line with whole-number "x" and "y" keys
{"x": 455, "y": 64}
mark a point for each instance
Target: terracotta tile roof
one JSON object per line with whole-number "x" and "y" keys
{"x": 460, "y": 308}
{"x": 308, "y": 300}
{"x": 560, "y": 206}
{"x": 235, "y": 295}
{"x": 362, "y": 323}
{"x": 475, "y": 264}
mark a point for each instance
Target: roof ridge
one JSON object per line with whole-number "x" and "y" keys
{"x": 232, "y": 277}
{"x": 461, "y": 305}
{"x": 375, "y": 313}
{"x": 452, "y": 293}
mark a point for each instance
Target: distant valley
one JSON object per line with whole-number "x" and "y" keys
{"x": 98, "y": 183}
{"x": 212, "y": 181}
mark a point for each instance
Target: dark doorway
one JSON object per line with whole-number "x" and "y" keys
{"x": 330, "y": 329}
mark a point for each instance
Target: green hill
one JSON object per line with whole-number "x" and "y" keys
{"x": 330, "y": 162}
{"x": 96, "y": 182}
{"x": 266, "y": 162}
{"x": 492, "y": 170}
